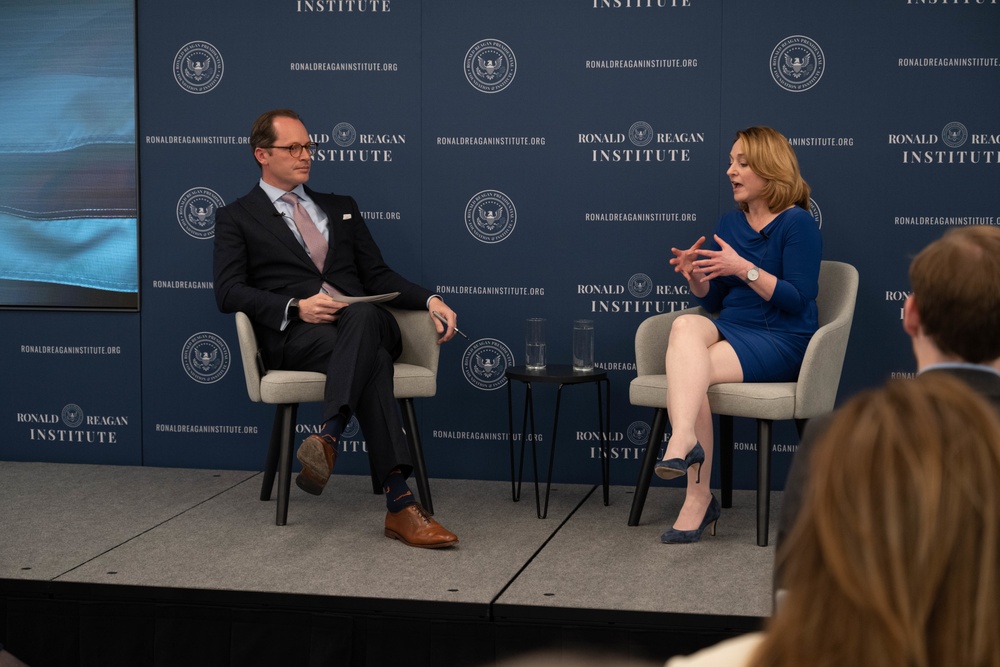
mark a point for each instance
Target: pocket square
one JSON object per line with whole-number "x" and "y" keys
{"x": 347, "y": 216}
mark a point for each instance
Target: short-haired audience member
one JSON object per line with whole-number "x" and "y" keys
{"x": 953, "y": 318}
{"x": 893, "y": 559}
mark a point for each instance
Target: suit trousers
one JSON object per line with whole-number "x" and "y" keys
{"x": 357, "y": 352}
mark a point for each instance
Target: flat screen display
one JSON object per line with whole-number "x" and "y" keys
{"x": 68, "y": 198}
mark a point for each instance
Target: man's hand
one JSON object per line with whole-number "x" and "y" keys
{"x": 320, "y": 309}
{"x": 437, "y": 305}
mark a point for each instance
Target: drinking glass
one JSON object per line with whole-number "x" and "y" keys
{"x": 583, "y": 345}
{"x": 534, "y": 344}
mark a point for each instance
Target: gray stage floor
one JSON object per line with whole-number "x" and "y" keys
{"x": 207, "y": 529}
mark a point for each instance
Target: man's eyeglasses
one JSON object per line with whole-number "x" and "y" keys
{"x": 296, "y": 149}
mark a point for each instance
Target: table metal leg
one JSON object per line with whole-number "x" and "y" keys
{"x": 528, "y": 422}
{"x": 510, "y": 442}
{"x": 515, "y": 480}
{"x": 529, "y": 415}
{"x": 604, "y": 426}
{"x": 552, "y": 455}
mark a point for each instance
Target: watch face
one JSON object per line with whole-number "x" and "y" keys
{"x": 753, "y": 274}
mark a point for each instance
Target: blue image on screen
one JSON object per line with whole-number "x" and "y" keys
{"x": 68, "y": 200}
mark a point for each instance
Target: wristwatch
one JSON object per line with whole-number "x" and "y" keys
{"x": 753, "y": 274}
{"x": 293, "y": 309}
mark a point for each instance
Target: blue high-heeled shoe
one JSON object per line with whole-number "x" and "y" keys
{"x": 672, "y": 468}
{"x": 712, "y": 514}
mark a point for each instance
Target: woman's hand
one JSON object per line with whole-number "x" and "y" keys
{"x": 723, "y": 262}
{"x": 684, "y": 261}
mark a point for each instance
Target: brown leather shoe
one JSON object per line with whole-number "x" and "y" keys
{"x": 414, "y": 527}
{"x": 317, "y": 456}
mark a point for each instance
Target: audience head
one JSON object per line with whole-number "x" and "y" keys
{"x": 955, "y": 300}
{"x": 897, "y": 544}
{"x": 771, "y": 157}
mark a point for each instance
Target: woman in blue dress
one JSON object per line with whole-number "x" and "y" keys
{"x": 759, "y": 276}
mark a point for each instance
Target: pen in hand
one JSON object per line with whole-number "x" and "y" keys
{"x": 445, "y": 320}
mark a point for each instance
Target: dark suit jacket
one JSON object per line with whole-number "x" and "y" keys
{"x": 260, "y": 265}
{"x": 985, "y": 383}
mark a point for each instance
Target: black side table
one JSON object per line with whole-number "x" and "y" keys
{"x": 561, "y": 374}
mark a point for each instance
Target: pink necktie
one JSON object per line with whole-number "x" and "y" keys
{"x": 315, "y": 243}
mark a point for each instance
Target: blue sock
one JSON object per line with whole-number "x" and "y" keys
{"x": 397, "y": 493}
{"x": 332, "y": 428}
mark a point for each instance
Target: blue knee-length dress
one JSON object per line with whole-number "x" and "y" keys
{"x": 769, "y": 337}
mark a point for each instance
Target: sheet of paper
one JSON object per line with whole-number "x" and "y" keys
{"x": 371, "y": 298}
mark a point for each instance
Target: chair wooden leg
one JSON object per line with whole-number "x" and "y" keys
{"x": 419, "y": 469}
{"x": 726, "y": 446}
{"x": 376, "y": 482}
{"x": 273, "y": 450}
{"x": 288, "y": 415}
{"x": 646, "y": 470}
{"x": 763, "y": 480}
{"x": 800, "y": 426}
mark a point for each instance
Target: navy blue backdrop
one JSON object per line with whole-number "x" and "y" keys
{"x": 526, "y": 159}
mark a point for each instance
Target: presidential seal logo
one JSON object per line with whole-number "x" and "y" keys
{"x": 954, "y": 135}
{"x": 196, "y": 212}
{"x": 72, "y": 415}
{"x": 351, "y": 430}
{"x": 205, "y": 357}
{"x": 490, "y": 66}
{"x": 816, "y": 213}
{"x": 490, "y": 216}
{"x": 344, "y": 134}
{"x": 485, "y": 362}
{"x": 640, "y": 285}
{"x": 797, "y": 63}
{"x": 198, "y": 67}
{"x": 640, "y": 133}
{"x": 638, "y": 433}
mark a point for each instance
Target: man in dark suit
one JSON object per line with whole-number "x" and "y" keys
{"x": 286, "y": 256}
{"x": 953, "y": 319}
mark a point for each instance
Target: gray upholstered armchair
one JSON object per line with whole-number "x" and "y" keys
{"x": 813, "y": 394}
{"x": 415, "y": 376}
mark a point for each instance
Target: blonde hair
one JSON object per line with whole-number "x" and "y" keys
{"x": 894, "y": 559}
{"x": 771, "y": 157}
